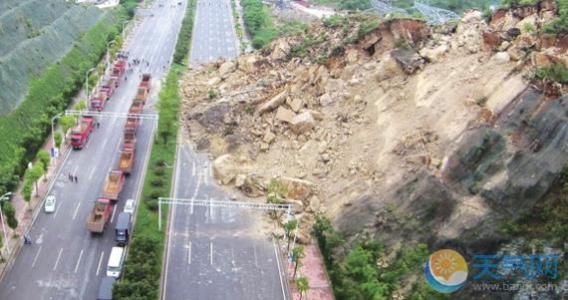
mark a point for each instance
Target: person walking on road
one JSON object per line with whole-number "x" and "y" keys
{"x": 27, "y": 240}
{"x": 70, "y": 177}
{"x": 76, "y": 181}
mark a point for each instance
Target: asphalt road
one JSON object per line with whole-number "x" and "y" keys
{"x": 66, "y": 261}
{"x": 213, "y": 36}
{"x": 215, "y": 253}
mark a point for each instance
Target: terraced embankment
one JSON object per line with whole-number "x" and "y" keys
{"x": 45, "y": 49}
{"x": 34, "y": 34}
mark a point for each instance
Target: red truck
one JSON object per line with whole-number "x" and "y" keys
{"x": 126, "y": 162}
{"x": 108, "y": 88}
{"x": 131, "y": 124}
{"x": 136, "y": 107}
{"x": 80, "y": 134}
{"x": 144, "y": 88}
{"x": 99, "y": 216}
{"x": 129, "y": 136}
{"x": 113, "y": 185}
{"x": 118, "y": 69}
{"x": 98, "y": 102}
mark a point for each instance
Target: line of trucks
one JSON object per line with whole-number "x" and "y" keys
{"x": 104, "y": 205}
{"x": 80, "y": 134}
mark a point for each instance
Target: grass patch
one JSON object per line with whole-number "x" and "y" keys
{"x": 258, "y": 23}
{"x": 556, "y": 73}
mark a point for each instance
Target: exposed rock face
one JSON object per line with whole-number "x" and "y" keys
{"x": 303, "y": 123}
{"x": 408, "y": 59}
{"x": 227, "y": 67}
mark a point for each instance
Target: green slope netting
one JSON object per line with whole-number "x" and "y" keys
{"x": 33, "y": 35}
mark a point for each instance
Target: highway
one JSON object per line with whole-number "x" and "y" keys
{"x": 65, "y": 261}
{"x": 213, "y": 33}
{"x": 215, "y": 253}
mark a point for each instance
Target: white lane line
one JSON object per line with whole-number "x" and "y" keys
{"x": 104, "y": 143}
{"x": 255, "y": 257}
{"x": 37, "y": 255}
{"x": 57, "y": 260}
{"x": 57, "y": 210}
{"x": 76, "y": 210}
{"x": 279, "y": 270}
{"x": 100, "y": 262}
{"x": 79, "y": 261}
{"x": 211, "y": 252}
{"x": 205, "y": 177}
{"x": 189, "y": 254}
{"x": 193, "y": 168}
{"x": 113, "y": 213}
{"x": 92, "y": 173}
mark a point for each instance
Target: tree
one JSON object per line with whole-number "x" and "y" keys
{"x": 67, "y": 122}
{"x": 45, "y": 159}
{"x": 297, "y": 256}
{"x": 289, "y": 229}
{"x": 81, "y": 105}
{"x": 57, "y": 137}
{"x": 10, "y": 214}
{"x": 34, "y": 174}
{"x": 303, "y": 285}
{"x": 27, "y": 191}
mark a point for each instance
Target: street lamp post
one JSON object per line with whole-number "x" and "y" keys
{"x": 3, "y": 198}
{"x": 87, "y": 86}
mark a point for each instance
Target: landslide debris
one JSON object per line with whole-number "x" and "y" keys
{"x": 392, "y": 128}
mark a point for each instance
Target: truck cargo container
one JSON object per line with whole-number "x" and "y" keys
{"x": 113, "y": 185}
{"x": 99, "y": 216}
{"x": 126, "y": 161}
{"x": 80, "y": 134}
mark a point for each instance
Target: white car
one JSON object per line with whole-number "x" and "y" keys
{"x": 129, "y": 206}
{"x": 49, "y": 204}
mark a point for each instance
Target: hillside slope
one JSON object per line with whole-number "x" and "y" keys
{"x": 33, "y": 35}
{"x": 395, "y": 130}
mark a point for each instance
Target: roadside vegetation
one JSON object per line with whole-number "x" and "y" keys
{"x": 363, "y": 270}
{"x": 24, "y": 131}
{"x": 258, "y": 22}
{"x": 143, "y": 266}
{"x": 346, "y": 4}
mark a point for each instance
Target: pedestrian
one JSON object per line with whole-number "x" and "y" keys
{"x": 98, "y": 124}
{"x": 76, "y": 181}
{"x": 27, "y": 240}
{"x": 70, "y": 177}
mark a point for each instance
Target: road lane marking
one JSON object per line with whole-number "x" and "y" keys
{"x": 233, "y": 256}
{"x": 100, "y": 262}
{"x": 76, "y": 210}
{"x": 57, "y": 260}
{"x": 57, "y": 210}
{"x": 189, "y": 254}
{"x": 37, "y": 255}
{"x": 255, "y": 257}
{"x": 79, "y": 261}
{"x": 92, "y": 173}
{"x": 113, "y": 213}
{"x": 193, "y": 168}
{"x": 211, "y": 252}
{"x": 279, "y": 270}
{"x": 104, "y": 143}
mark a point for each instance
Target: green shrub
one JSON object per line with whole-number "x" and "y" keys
{"x": 258, "y": 23}
{"x": 184, "y": 37}
{"x": 159, "y": 170}
{"x": 556, "y": 72}
{"x": 10, "y": 214}
{"x": 158, "y": 182}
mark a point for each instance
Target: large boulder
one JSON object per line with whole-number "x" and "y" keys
{"x": 227, "y": 167}
{"x": 280, "y": 49}
{"x": 298, "y": 189}
{"x": 273, "y": 103}
{"x": 303, "y": 123}
{"x": 387, "y": 68}
{"x": 409, "y": 60}
{"x": 226, "y": 68}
